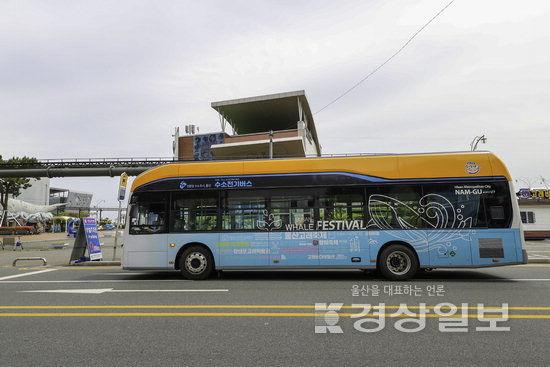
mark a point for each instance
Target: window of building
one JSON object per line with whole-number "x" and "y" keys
{"x": 527, "y": 216}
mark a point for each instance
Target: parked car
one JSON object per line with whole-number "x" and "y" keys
{"x": 107, "y": 227}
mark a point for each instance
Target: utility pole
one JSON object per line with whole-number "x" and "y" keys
{"x": 121, "y": 195}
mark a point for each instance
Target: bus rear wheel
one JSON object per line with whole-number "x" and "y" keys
{"x": 196, "y": 263}
{"x": 398, "y": 262}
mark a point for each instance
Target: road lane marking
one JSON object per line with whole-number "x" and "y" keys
{"x": 26, "y": 274}
{"x": 77, "y": 291}
{"x": 89, "y": 281}
{"x": 221, "y": 313}
{"x": 525, "y": 280}
{"x": 531, "y": 308}
{"x": 111, "y": 290}
{"x": 170, "y": 290}
{"x": 182, "y": 280}
{"x": 243, "y": 314}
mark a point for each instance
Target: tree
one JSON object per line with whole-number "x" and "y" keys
{"x": 105, "y": 221}
{"x": 13, "y": 186}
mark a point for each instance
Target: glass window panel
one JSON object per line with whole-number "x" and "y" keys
{"x": 148, "y": 213}
{"x": 341, "y": 203}
{"x": 243, "y": 210}
{"x": 194, "y": 211}
{"x": 497, "y": 194}
{"x": 342, "y": 196}
{"x": 450, "y": 205}
{"x": 394, "y": 207}
{"x": 466, "y": 205}
{"x": 296, "y": 208}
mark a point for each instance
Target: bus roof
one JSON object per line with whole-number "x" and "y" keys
{"x": 390, "y": 166}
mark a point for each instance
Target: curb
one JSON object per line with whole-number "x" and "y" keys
{"x": 538, "y": 261}
{"x": 97, "y": 263}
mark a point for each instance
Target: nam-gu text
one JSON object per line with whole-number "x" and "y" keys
{"x": 368, "y": 318}
{"x": 474, "y": 190}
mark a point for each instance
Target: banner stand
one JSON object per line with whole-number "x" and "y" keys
{"x": 80, "y": 245}
{"x": 86, "y": 238}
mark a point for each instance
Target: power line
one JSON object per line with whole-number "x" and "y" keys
{"x": 387, "y": 60}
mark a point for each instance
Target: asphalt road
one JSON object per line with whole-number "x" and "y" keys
{"x": 67, "y": 316}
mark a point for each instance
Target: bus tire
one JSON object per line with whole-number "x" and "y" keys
{"x": 398, "y": 262}
{"x": 196, "y": 263}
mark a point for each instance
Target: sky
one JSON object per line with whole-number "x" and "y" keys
{"x": 100, "y": 79}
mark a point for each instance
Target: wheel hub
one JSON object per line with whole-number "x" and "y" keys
{"x": 195, "y": 263}
{"x": 398, "y": 262}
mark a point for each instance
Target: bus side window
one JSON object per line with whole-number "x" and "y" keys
{"x": 395, "y": 206}
{"x": 194, "y": 211}
{"x": 148, "y": 214}
{"x": 243, "y": 210}
{"x": 451, "y": 205}
{"x": 292, "y": 209}
{"x": 497, "y": 206}
{"x": 342, "y": 203}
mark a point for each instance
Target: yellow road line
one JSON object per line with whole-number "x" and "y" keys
{"x": 239, "y": 314}
{"x": 534, "y": 308}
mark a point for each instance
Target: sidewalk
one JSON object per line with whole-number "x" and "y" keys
{"x": 56, "y": 248}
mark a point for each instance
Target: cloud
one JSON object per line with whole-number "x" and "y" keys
{"x": 104, "y": 79}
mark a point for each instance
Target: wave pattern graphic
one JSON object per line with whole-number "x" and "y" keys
{"x": 432, "y": 211}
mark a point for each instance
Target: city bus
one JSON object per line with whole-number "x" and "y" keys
{"x": 397, "y": 213}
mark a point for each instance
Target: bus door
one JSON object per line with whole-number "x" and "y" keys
{"x": 344, "y": 241}
{"x": 144, "y": 251}
{"x": 146, "y": 243}
{"x": 293, "y": 240}
{"x": 244, "y": 240}
{"x": 194, "y": 219}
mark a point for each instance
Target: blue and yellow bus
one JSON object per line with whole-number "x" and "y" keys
{"x": 394, "y": 213}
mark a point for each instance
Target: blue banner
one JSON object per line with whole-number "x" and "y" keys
{"x": 92, "y": 238}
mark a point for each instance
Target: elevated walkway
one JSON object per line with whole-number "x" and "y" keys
{"x": 80, "y": 167}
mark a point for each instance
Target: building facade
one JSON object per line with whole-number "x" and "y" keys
{"x": 270, "y": 126}
{"x": 534, "y": 205}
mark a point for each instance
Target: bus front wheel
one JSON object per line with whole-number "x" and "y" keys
{"x": 398, "y": 262}
{"x": 196, "y": 263}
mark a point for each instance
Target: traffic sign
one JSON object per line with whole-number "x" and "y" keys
{"x": 122, "y": 186}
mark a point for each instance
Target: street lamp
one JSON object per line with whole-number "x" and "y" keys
{"x": 98, "y": 217}
{"x": 475, "y": 142}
